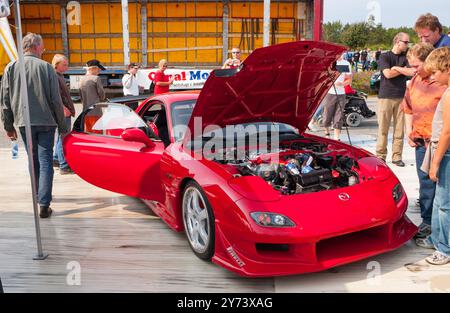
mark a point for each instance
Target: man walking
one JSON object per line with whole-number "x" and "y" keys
{"x": 46, "y": 112}
{"x": 394, "y": 73}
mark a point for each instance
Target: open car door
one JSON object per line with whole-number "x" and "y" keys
{"x": 112, "y": 148}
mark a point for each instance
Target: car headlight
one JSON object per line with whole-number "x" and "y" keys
{"x": 397, "y": 192}
{"x": 271, "y": 219}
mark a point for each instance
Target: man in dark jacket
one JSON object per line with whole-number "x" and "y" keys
{"x": 46, "y": 112}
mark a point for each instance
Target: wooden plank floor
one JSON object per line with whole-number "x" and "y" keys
{"x": 122, "y": 247}
{"x": 117, "y": 241}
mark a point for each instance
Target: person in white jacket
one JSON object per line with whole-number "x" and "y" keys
{"x": 130, "y": 83}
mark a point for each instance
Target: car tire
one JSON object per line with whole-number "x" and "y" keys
{"x": 353, "y": 119}
{"x": 198, "y": 220}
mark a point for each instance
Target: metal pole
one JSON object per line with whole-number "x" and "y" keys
{"x": 225, "y": 30}
{"x": 266, "y": 27}
{"x": 64, "y": 33}
{"x": 126, "y": 33}
{"x": 318, "y": 19}
{"x": 144, "y": 34}
{"x": 26, "y": 117}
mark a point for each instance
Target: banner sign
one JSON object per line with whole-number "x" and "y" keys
{"x": 184, "y": 79}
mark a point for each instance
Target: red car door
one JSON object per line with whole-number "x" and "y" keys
{"x": 96, "y": 151}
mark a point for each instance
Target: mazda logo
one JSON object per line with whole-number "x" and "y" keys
{"x": 344, "y": 196}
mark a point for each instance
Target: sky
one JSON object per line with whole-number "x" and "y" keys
{"x": 391, "y": 13}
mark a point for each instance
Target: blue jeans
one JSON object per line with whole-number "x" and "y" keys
{"x": 42, "y": 139}
{"x": 58, "y": 155}
{"x": 318, "y": 113}
{"x": 427, "y": 188}
{"x": 440, "y": 223}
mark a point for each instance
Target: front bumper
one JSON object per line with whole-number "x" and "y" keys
{"x": 306, "y": 257}
{"x": 328, "y": 232}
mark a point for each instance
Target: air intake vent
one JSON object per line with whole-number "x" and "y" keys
{"x": 272, "y": 247}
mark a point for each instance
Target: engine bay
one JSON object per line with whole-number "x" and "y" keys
{"x": 297, "y": 167}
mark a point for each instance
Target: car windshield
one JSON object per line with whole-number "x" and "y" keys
{"x": 181, "y": 112}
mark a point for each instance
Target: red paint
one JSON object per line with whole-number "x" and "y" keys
{"x": 328, "y": 232}
{"x": 318, "y": 20}
{"x": 283, "y": 83}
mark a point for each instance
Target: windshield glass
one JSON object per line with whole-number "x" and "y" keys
{"x": 181, "y": 113}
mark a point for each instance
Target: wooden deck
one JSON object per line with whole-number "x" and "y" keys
{"x": 122, "y": 247}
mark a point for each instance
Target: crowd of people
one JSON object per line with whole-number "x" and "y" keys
{"x": 365, "y": 59}
{"x": 421, "y": 109}
{"x": 414, "y": 100}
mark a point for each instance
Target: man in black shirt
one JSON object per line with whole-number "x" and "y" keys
{"x": 394, "y": 74}
{"x": 364, "y": 55}
{"x": 356, "y": 57}
{"x": 377, "y": 55}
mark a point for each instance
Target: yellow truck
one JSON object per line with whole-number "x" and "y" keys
{"x": 190, "y": 34}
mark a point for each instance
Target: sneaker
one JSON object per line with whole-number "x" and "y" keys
{"x": 55, "y": 163}
{"x": 424, "y": 243}
{"x": 424, "y": 231}
{"x": 399, "y": 163}
{"x": 312, "y": 127}
{"x": 438, "y": 258}
{"x": 45, "y": 212}
{"x": 65, "y": 171}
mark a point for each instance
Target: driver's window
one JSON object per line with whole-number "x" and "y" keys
{"x": 111, "y": 120}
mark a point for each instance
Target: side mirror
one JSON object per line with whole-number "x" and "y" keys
{"x": 137, "y": 135}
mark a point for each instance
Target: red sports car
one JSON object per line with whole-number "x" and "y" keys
{"x": 233, "y": 168}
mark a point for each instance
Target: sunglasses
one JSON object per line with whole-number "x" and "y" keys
{"x": 405, "y": 42}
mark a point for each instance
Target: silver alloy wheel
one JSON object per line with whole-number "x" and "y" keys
{"x": 353, "y": 119}
{"x": 196, "y": 220}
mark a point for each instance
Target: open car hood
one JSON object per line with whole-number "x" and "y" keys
{"x": 283, "y": 83}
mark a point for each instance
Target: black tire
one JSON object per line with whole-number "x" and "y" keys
{"x": 206, "y": 252}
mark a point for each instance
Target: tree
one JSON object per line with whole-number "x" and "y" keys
{"x": 356, "y": 35}
{"x": 333, "y": 31}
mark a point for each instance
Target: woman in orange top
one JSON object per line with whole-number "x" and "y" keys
{"x": 420, "y": 102}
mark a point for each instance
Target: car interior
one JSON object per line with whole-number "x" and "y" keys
{"x": 156, "y": 114}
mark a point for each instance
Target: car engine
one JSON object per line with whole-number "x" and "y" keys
{"x": 299, "y": 167}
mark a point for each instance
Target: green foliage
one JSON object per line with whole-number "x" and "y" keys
{"x": 365, "y": 34}
{"x": 356, "y": 35}
{"x": 333, "y": 31}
